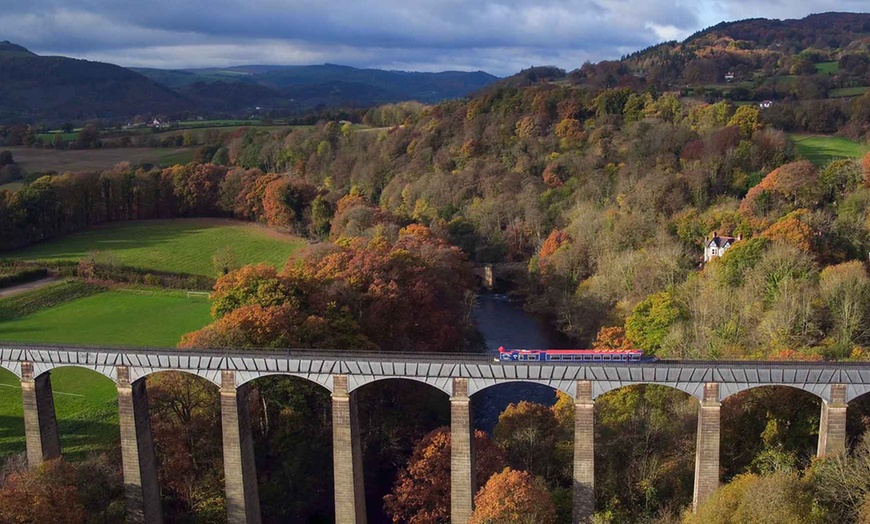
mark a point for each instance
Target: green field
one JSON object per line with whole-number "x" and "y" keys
{"x": 173, "y": 157}
{"x": 218, "y": 123}
{"x": 828, "y": 68}
{"x": 847, "y": 91}
{"x": 180, "y": 246}
{"x": 86, "y": 406}
{"x": 822, "y": 149}
{"x": 123, "y": 318}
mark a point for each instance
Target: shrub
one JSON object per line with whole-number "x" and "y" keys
{"x": 22, "y": 276}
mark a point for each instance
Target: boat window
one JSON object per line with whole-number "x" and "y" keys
{"x": 607, "y": 357}
{"x": 596, "y": 357}
{"x": 587, "y": 357}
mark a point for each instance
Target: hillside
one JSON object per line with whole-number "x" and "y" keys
{"x": 818, "y": 57}
{"x": 56, "y": 89}
{"x": 305, "y": 87}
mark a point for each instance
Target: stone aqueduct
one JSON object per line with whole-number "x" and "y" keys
{"x": 458, "y": 376}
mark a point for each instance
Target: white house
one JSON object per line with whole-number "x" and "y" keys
{"x": 765, "y": 104}
{"x": 717, "y": 246}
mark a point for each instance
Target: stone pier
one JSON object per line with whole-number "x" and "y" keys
{"x": 707, "y": 449}
{"x": 138, "y": 458}
{"x": 462, "y": 471}
{"x": 584, "y": 453}
{"x": 240, "y": 474}
{"x": 350, "y": 500}
{"x": 832, "y": 427}
{"x": 40, "y": 423}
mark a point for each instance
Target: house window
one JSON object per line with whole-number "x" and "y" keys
{"x": 712, "y": 250}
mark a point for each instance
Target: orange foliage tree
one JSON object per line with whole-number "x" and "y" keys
{"x": 791, "y": 230}
{"x": 47, "y": 494}
{"x": 421, "y": 494}
{"x": 513, "y": 497}
{"x": 784, "y": 189}
{"x": 409, "y": 294}
{"x": 611, "y": 338}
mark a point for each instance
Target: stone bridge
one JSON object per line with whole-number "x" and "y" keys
{"x": 487, "y": 274}
{"x": 458, "y": 376}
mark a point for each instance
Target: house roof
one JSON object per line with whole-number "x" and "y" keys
{"x": 718, "y": 241}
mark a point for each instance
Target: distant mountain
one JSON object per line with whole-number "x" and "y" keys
{"x": 56, "y": 89}
{"x": 304, "y": 87}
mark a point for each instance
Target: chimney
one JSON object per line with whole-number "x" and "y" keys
{"x": 714, "y": 234}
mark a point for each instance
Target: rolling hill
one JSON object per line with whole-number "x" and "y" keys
{"x": 305, "y": 87}
{"x": 57, "y": 89}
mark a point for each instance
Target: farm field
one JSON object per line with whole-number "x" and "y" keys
{"x": 34, "y": 160}
{"x": 180, "y": 246}
{"x": 828, "y": 68}
{"x": 847, "y": 91}
{"x": 123, "y": 318}
{"x": 822, "y": 149}
{"x": 86, "y": 407}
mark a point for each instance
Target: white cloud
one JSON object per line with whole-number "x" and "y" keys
{"x": 499, "y": 36}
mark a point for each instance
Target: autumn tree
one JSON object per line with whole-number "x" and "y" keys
{"x": 513, "y": 497}
{"x": 421, "y": 494}
{"x": 648, "y": 324}
{"x": 846, "y": 289}
{"x": 60, "y": 492}
{"x": 185, "y": 422}
{"x": 777, "y": 498}
{"x": 527, "y": 432}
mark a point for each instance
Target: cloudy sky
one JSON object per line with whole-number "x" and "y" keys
{"x": 497, "y": 36}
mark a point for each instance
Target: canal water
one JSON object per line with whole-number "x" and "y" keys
{"x": 504, "y": 322}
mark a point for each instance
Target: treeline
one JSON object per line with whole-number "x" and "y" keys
{"x": 56, "y": 205}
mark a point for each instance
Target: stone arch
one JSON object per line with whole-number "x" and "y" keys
{"x": 442, "y": 384}
{"x": 12, "y": 367}
{"x": 693, "y": 389}
{"x": 106, "y": 370}
{"x": 822, "y": 391}
{"x": 477, "y": 385}
{"x": 211, "y": 375}
{"x": 322, "y": 380}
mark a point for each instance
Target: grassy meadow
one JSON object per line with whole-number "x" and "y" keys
{"x": 180, "y": 246}
{"x": 122, "y": 317}
{"x": 822, "y": 149}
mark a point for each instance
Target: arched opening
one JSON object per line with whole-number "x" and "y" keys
{"x": 11, "y": 417}
{"x": 768, "y": 428}
{"x": 857, "y": 420}
{"x": 85, "y": 413}
{"x": 532, "y": 428}
{"x": 292, "y": 430}
{"x": 185, "y": 415}
{"x": 394, "y": 415}
{"x": 86, "y": 408}
{"x": 645, "y": 444}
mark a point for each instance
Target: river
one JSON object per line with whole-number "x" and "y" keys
{"x": 504, "y": 322}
